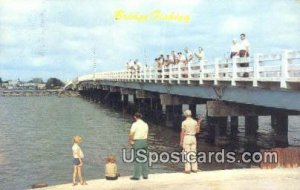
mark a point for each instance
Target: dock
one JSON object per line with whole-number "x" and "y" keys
{"x": 241, "y": 179}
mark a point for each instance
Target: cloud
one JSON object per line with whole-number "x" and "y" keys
{"x": 57, "y": 38}
{"x": 234, "y": 25}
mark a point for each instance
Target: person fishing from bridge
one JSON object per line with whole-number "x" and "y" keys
{"x": 130, "y": 67}
{"x": 200, "y": 54}
{"x": 188, "y": 55}
{"x": 189, "y": 129}
{"x": 172, "y": 58}
{"x": 244, "y": 47}
{"x": 77, "y": 161}
{"x": 138, "y": 139}
{"x": 234, "y": 49}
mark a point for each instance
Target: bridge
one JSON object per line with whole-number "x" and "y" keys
{"x": 270, "y": 85}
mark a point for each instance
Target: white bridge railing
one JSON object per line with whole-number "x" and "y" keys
{"x": 281, "y": 68}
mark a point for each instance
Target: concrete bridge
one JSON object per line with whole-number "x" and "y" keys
{"x": 272, "y": 87}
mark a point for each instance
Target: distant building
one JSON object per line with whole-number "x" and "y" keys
{"x": 41, "y": 86}
{"x": 37, "y": 81}
{"x": 5, "y": 84}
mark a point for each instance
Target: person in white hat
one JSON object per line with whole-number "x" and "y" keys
{"x": 189, "y": 129}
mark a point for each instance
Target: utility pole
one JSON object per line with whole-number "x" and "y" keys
{"x": 94, "y": 63}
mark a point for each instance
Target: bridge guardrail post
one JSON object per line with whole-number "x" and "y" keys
{"x": 201, "y": 72}
{"x": 284, "y": 69}
{"x": 150, "y": 74}
{"x": 256, "y": 69}
{"x": 143, "y": 74}
{"x": 155, "y": 71}
{"x": 162, "y": 73}
{"x": 189, "y": 70}
{"x": 170, "y": 73}
{"x": 234, "y": 70}
{"x": 217, "y": 74}
{"x": 179, "y": 72}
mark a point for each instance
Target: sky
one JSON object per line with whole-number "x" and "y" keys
{"x": 63, "y": 38}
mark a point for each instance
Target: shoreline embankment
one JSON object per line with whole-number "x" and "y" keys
{"x": 241, "y": 179}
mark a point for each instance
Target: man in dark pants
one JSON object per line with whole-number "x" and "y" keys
{"x": 138, "y": 139}
{"x": 244, "y": 51}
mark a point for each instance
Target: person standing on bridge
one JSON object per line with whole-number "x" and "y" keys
{"x": 189, "y": 129}
{"x": 244, "y": 47}
{"x": 234, "y": 50}
{"x": 138, "y": 139}
{"x": 200, "y": 54}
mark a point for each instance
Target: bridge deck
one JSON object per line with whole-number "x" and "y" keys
{"x": 282, "y": 70}
{"x": 273, "y": 80}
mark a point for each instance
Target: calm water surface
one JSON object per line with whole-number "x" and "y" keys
{"x": 36, "y": 139}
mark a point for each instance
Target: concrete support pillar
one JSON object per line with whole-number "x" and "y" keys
{"x": 115, "y": 99}
{"x": 177, "y": 115}
{"x": 157, "y": 110}
{"x": 98, "y": 95}
{"x": 145, "y": 107}
{"x": 251, "y": 126}
{"x": 279, "y": 122}
{"x": 221, "y": 126}
{"x": 135, "y": 100}
{"x": 211, "y": 134}
{"x": 169, "y": 115}
{"x": 90, "y": 95}
{"x": 125, "y": 100}
{"x": 193, "y": 108}
{"x": 220, "y": 131}
{"x": 137, "y": 104}
{"x": 234, "y": 124}
{"x": 103, "y": 94}
{"x": 217, "y": 130}
{"x": 95, "y": 95}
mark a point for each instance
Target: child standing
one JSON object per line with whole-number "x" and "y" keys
{"x": 77, "y": 160}
{"x": 111, "y": 168}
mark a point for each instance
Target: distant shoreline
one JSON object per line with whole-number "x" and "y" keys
{"x": 27, "y": 92}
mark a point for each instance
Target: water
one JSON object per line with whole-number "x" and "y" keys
{"x": 36, "y": 139}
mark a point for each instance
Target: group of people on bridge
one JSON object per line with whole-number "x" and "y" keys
{"x": 238, "y": 49}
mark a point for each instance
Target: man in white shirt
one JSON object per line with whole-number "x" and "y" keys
{"x": 234, "y": 50}
{"x": 130, "y": 67}
{"x": 200, "y": 54}
{"x": 137, "y": 65}
{"x": 188, "y": 55}
{"x": 138, "y": 139}
{"x": 244, "y": 47}
{"x": 181, "y": 58}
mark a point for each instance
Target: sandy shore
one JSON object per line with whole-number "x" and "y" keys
{"x": 222, "y": 179}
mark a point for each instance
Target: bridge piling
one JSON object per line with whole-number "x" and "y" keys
{"x": 169, "y": 115}
{"x": 234, "y": 124}
{"x": 125, "y": 100}
{"x": 193, "y": 108}
{"x": 251, "y": 126}
{"x": 220, "y": 131}
{"x": 158, "y": 110}
{"x": 177, "y": 116}
{"x": 279, "y": 123}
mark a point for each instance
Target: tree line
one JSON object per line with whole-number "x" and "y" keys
{"x": 52, "y": 83}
